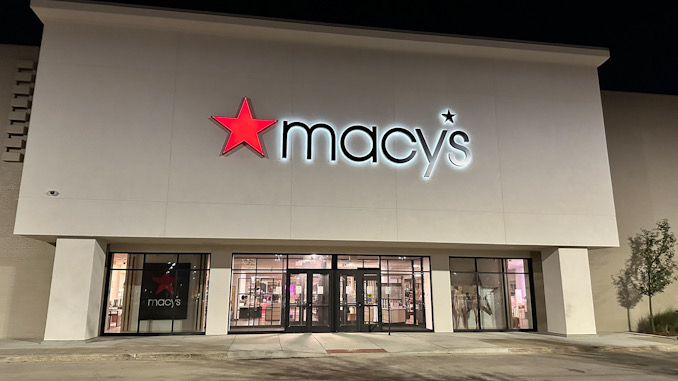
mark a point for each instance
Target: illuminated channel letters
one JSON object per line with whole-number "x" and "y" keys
{"x": 244, "y": 130}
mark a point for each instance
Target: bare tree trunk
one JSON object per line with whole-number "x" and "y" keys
{"x": 651, "y": 315}
{"x": 628, "y": 317}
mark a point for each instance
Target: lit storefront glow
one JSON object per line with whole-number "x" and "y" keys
{"x": 491, "y": 294}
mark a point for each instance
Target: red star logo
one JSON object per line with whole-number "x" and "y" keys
{"x": 165, "y": 282}
{"x": 244, "y": 129}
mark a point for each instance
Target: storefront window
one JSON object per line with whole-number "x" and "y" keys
{"x": 491, "y": 294}
{"x": 465, "y": 301}
{"x": 519, "y": 291}
{"x": 257, "y": 290}
{"x": 405, "y": 291}
{"x": 156, "y": 293}
{"x": 329, "y": 292}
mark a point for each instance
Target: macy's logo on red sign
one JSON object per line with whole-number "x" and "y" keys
{"x": 244, "y": 130}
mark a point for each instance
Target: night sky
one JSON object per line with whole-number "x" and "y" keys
{"x": 643, "y": 40}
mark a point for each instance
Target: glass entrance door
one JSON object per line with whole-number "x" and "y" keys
{"x": 308, "y": 302}
{"x": 359, "y": 301}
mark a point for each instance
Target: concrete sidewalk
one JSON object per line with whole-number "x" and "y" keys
{"x": 261, "y": 346}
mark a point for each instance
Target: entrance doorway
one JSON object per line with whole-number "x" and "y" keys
{"x": 329, "y": 293}
{"x": 359, "y": 296}
{"x": 308, "y": 304}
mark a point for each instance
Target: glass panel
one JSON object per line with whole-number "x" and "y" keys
{"x": 491, "y": 301}
{"x": 393, "y": 300}
{"x": 129, "y": 310}
{"x": 268, "y": 264}
{"x": 419, "y": 310}
{"x": 464, "y": 301}
{"x": 124, "y": 292}
{"x": 320, "y": 310}
{"x": 201, "y": 299}
{"x": 516, "y": 266}
{"x": 347, "y": 300}
{"x": 400, "y": 264}
{"x": 357, "y": 262}
{"x": 408, "y": 296}
{"x": 371, "y": 299}
{"x": 401, "y": 300}
{"x": 348, "y": 262}
{"x": 384, "y": 264}
{"x": 161, "y": 258}
{"x": 271, "y": 263}
{"x": 297, "y": 312}
{"x": 244, "y": 262}
{"x": 371, "y": 263}
{"x": 127, "y": 261}
{"x": 242, "y": 299}
{"x": 428, "y": 302}
{"x": 520, "y": 295}
{"x": 312, "y": 261}
{"x": 346, "y": 265}
{"x": 270, "y": 293}
{"x": 462, "y": 264}
{"x": 427, "y": 264}
{"x": 195, "y": 261}
{"x": 123, "y": 301}
{"x": 416, "y": 264}
{"x": 371, "y": 316}
{"x": 119, "y": 261}
{"x": 489, "y": 265}
{"x": 189, "y": 313}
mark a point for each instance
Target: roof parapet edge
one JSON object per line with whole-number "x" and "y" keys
{"x": 240, "y": 26}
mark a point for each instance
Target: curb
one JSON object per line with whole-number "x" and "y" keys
{"x": 261, "y": 355}
{"x": 592, "y": 349}
{"x": 653, "y": 335}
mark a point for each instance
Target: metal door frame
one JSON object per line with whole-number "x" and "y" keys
{"x": 359, "y": 276}
{"x": 309, "y": 327}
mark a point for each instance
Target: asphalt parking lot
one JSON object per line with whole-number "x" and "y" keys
{"x": 647, "y": 365}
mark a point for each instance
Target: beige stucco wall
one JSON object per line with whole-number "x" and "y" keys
{"x": 25, "y": 264}
{"x": 121, "y": 128}
{"x": 642, "y": 137}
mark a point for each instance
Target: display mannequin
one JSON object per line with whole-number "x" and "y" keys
{"x": 472, "y": 303}
{"x": 460, "y": 307}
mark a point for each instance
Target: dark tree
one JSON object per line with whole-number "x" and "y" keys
{"x": 627, "y": 294}
{"x": 651, "y": 263}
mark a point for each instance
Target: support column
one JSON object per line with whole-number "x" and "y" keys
{"x": 442, "y": 296}
{"x": 567, "y": 291}
{"x": 218, "y": 299}
{"x": 74, "y": 310}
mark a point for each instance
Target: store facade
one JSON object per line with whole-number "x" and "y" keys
{"x": 211, "y": 174}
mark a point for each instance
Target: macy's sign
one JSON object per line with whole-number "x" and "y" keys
{"x": 244, "y": 130}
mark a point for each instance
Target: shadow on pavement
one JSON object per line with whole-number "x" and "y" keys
{"x": 655, "y": 362}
